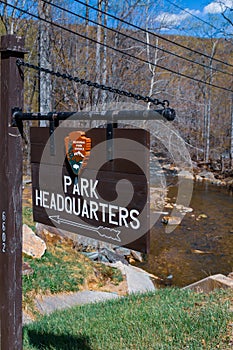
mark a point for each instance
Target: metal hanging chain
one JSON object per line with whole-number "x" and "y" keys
{"x": 138, "y": 97}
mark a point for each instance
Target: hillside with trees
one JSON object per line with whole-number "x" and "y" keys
{"x": 193, "y": 72}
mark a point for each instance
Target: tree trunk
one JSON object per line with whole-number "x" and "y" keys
{"x": 231, "y": 140}
{"x": 98, "y": 51}
{"x": 45, "y": 88}
{"x": 86, "y": 89}
{"x": 104, "y": 79}
{"x": 208, "y": 107}
{"x": 150, "y": 52}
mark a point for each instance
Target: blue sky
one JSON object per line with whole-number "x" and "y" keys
{"x": 192, "y": 4}
{"x": 206, "y": 6}
{"x": 177, "y": 13}
{"x": 200, "y": 8}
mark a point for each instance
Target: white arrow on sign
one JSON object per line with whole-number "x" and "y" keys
{"x": 102, "y": 231}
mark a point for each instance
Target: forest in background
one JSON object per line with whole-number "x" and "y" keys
{"x": 193, "y": 72}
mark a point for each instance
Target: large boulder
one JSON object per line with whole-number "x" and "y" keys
{"x": 33, "y": 245}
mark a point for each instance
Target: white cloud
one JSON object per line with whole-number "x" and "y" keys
{"x": 168, "y": 18}
{"x": 218, "y": 6}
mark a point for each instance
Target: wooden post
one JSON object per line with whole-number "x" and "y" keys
{"x": 12, "y": 48}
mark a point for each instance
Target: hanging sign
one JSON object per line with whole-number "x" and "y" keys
{"x": 91, "y": 185}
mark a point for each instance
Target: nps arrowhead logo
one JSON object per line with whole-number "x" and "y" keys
{"x": 78, "y": 148}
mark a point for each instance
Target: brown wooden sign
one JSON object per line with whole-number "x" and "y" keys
{"x": 93, "y": 186}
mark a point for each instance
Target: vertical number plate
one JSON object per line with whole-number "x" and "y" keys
{"x": 3, "y": 232}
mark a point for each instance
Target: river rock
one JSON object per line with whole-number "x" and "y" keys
{"x": 199, "y": 178}
{"x": 122, "y": 251}
{"x": 157, "y": 198}
{"x": 136, "y": 255}
{"x": 169, "y": 206}
{"x": 170, "y": 167}
{"x": 112, "y": 256}
{"x": 33, "y": 245}
{"x": 129, "y": 253}
{"x": 106, "y": 255}
{"x": 201, "y": 216}
{"x": 183, "y": 209}
{"x": 229, "y": 182}
{"x": 207, "y": 175}
{"x": 171, "y": 220}
{"x": 166, "y": 166}
{"x": 185, "y": 174}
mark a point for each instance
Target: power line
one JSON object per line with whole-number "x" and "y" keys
{"x": 156, "y": 35}
{"x": 120, "y": 51}
{"x": 137, "y": 40}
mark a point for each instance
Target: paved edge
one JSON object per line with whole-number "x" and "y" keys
{"x": 49, "y": 304}
{"x": 138, "y": 281}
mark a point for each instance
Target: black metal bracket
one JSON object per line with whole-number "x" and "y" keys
{"x": 54, "y": 118}
{"x": 109, "y": 136}
{"x": 18, "y": 117}
{"x": 168, "y": 113}
{"x": 18, "y": 122}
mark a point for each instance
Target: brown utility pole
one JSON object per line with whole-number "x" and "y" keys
{"x": 12, "y": 47}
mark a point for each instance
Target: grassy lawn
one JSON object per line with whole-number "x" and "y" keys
{"x": 27, "y": 217}
{"x": 62, "y": 269}
{"x": 170, "y": 319}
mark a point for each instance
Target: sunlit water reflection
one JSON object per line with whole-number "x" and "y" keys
{"x": 196, "y": 248}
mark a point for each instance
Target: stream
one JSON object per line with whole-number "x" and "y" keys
{"x": 198, "y": 247}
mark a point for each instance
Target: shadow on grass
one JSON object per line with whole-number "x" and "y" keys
{"x": 43, "y": 340}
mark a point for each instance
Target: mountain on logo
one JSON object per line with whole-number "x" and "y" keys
{"x": 79, "y": 154}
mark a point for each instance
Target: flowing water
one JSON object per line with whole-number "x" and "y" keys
{"x": 197, "y": 248}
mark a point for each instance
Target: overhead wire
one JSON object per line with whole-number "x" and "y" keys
{"x": 154, "y": 34}
{"x": 118, "y": 50}
{"x": 137, "y": 39}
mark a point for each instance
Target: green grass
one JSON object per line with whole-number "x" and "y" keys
{"x": 54, "y": 274}
{"x": 168, "y": 319}
{"x": 51, "y": 274}
{"x": 27, "y": 217}
{"x": 62, "y": 269}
